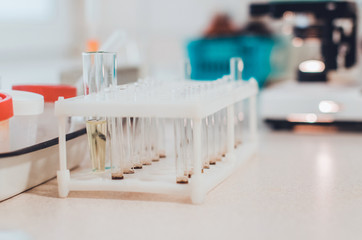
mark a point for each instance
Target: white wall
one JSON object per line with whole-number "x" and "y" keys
{"x": 27, "y": 36}
{"x": 162, "y": 27}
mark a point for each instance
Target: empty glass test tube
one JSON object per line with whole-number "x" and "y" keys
{"x": 161, "y": 138}
{"x": 154, "y": 139}
{"x": 136, "y": 143}
{"x": 189, "y": 147}
{"x": 211, "y": 139}
{"x": 145, "y": 155}
{"x": 223, "y": 134}
{"x": 125, "y": 145}
{"x": 205, "y": 146}
{"x": 238, "y": 122}
{"x": 236, "y": 69}
{"x": 181, "y": 163}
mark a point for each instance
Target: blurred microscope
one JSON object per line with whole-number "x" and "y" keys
{"x": 322, "y": 55}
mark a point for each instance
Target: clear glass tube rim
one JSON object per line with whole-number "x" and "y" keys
{"x": 98, "y": 53}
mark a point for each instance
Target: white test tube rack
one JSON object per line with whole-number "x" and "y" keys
{"x": 196, "y": 110}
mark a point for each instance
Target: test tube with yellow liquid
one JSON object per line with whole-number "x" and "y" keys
{"x": 99, "y": 80}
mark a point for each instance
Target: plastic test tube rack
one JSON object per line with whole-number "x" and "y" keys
{"x": 194, "y": 108}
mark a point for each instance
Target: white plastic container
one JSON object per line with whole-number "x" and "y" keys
{"x": 47, "y": 122}
{"x": 26, "y": 168}
{"x": 21, "y": 169}
{"x": 6, "y": 113}
{"x": 24, "y": 125}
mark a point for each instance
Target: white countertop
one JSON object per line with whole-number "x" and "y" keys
{"x": 301, "y": 186}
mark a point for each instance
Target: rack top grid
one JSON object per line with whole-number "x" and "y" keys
{"x": 162, "y": 101}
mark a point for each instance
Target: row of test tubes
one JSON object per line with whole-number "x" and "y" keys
{"x": 213, "y": 144}
{"x": 118, "y": 144}
{"x": 123, "y": 144}
{"x": 214, "y": 139}
{"x": 214, "y": 129}
{"x": 134, "y": 142}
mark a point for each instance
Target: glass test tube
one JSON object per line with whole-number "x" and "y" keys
{"x": 189, "y": 147}
{"x": 136, "y": 143}
{"x": 161, "y": 138}
{"x": 154, "y": 139}
{"x": 225, "y": 130}
{"x": 205, "y": 151}
{"x": 95, "y": 125}
{"x": 236, "y": 68}
{"x": 239, "y": 117}
{"x": 145, "y": 142}
{"x": 116, "y": 151}
{"x": 108, "y": 64}
{"x": 99, "y": 77}
{"x": 136, "y": 137}
{"x": 211, "y": 139}
{"x": 181, "y": 167}
{"x": 218, "y": 136}
{"x": 127, "y": 163}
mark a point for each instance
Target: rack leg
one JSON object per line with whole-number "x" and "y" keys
{"x": 63, "y": 175}
{"x": 197, "y": 191}
{"x": 253, "y": 118}
{"x": 63, "y": 178}
{"x": 230, "y": 133}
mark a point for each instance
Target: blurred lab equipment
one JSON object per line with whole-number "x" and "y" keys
{"x": 322, "y": 54}
{"x": 209, "y": 56}
{"x": 324, "y": 33}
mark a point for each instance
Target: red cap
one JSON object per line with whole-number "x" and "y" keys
{"x": 6, "y": 107}
{"x": 51, "y": 93}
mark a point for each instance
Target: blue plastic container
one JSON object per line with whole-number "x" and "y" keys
{"x": 209, "y": 58}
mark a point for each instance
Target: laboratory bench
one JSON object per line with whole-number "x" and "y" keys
{"x": 301, "y": 185}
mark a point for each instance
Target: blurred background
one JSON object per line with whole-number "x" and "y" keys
{"x": 42, "y": 40}
{"x": 297, "y": 41}
{"x": 153, "y": 35}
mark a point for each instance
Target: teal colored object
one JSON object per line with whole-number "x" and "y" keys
{"x": 209, "y": 58}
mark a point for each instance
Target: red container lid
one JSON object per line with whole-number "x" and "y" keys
{"x": 6, "y": 107}
{"x": 51, "y": 93}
